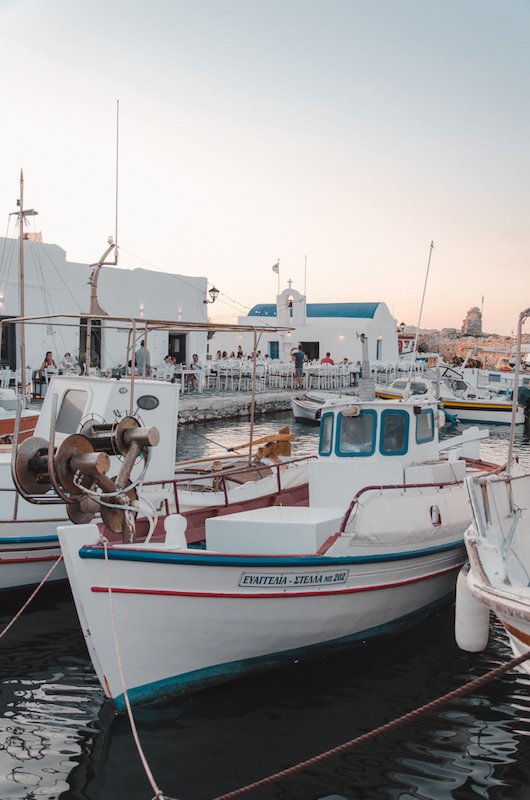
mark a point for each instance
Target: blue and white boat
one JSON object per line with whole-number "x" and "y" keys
{"x": 378, "y": 547}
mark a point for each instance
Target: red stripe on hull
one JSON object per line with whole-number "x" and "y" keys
{"x": 271, "y": 595}
{"x": 4, "y": 561}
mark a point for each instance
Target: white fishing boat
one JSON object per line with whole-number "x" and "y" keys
{"x": 470, "y": 404}
{"x": 92, "y": 408}
{"x": 378, "y": 547}
{"x": 307, "y": 407}
{"x": 458, "y": 399}
{"x": 497, "y": 578}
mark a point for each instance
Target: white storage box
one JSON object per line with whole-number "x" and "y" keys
{"x": 436, "y": 472}
{"x": 273, "y": 530}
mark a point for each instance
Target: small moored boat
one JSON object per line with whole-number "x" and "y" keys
{"x": 497, "y": 578}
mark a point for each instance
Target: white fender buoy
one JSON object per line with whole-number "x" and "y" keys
{"x": 472, "y": 617}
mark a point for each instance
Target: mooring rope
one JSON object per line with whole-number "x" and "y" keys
{"x": 467, "y": 688}
{"x": 150, "y": 777}
{"x": 30, "y": 598}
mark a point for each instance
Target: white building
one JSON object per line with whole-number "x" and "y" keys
{"x": 319, "y": 327}
{"x": 54, "y": 285}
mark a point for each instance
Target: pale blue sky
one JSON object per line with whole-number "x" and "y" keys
{"x": 351, "y": 131}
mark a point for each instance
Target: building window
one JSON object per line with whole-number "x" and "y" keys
{"x": 274, "y": 349}
{"x": 311, "y": 349}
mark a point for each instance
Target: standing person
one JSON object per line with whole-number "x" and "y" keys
{"x": 298, "y": 358}
{"x": 142, "y": 357}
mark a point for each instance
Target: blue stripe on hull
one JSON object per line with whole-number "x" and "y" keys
{"x": 281, "y": 561}
{"x": 27, "y": 539}
{"x": 220, "y": 673}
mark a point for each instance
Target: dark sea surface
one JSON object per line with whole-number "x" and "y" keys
{"x": 59, "y": 738}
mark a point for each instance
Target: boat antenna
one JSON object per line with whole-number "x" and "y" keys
{"x": 21, "y": 214}
{"x": 522, "y": 316}
{"x": 117, "y": 175}
{"x": 95, "y": 307}
{"x": 431, "y": 248}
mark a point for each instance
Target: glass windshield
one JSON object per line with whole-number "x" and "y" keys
{"x": 394, "y": 433}
{"x": 71, "y": 411}
{"x": 326, "y": 433}
{"x": 357, "y": 434}
{"x": 425, "y": 426}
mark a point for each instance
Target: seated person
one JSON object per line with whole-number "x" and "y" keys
{"x": 193, "y": 380}
{"x": 48, "y": 366}
{"x": 68, "y": 364}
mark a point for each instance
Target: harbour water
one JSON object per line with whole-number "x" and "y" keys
{"x": 60, "y": 739}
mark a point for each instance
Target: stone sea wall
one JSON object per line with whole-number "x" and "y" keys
{"x": 200, "y": 408}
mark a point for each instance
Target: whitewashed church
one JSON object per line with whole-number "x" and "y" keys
{"x": 320, "y": 328}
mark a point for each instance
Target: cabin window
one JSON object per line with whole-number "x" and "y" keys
{"x": 425, "y": 426}
{"x": 71, "y": 411}
{"x": 356, "y": 434}
{"x": 326, "y": 435}
{"x": 394, "y": 432}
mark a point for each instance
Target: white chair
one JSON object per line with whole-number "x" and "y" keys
{"x": 5, "y": 377}
{"x": 212, "y": 379}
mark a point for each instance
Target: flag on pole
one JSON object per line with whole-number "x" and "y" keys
{"x": 276, "y": 268}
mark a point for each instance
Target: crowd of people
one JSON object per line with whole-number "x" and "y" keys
{"x": 143, "y": 363}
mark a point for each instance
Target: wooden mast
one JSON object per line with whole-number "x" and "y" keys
{"x": 21, "y": 282}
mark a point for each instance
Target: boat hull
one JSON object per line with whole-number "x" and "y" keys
{"x": 207, "y": 617}
{"x": 498, "y": 550}
{"x": 306, "y": 412}
{"x": 28, "y": 549}
{"x": 486, "y": 413}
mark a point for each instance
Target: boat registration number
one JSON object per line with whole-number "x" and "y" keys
{"x": 298, "y": 579}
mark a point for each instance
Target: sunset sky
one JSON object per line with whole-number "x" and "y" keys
{"x": 350, "y": 131}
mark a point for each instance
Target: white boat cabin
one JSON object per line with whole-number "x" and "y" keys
{"x": 377, "y": 444}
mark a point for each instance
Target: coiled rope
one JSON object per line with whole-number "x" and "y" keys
{"x": 467, "y": 688}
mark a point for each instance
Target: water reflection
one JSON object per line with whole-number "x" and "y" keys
{"x": 58, "y": 739}
{"x": 48, "y": 696}
{"x": 230, "y": 735}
